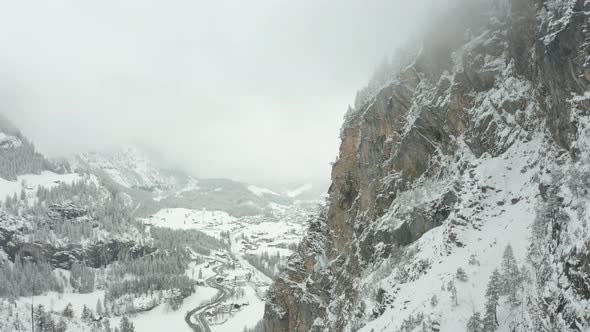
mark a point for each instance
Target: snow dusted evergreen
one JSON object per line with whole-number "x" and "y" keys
{"x": 17, "y": 154}
{"x": 490, "y": 321}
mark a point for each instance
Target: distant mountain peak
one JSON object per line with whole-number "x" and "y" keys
{"x": 128, "y": 166}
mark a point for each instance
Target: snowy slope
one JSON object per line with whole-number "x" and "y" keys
{"x": 31, "y": 182}
{"x": 153, "y": 188}
{"x": 472, "y": 157}
{"x": 299, "y": 190}
{"x": 503, "y": 216}
{"x": 9, "y": 141}
{"x": 127, "y": 166}
{"x": 259, "y": 191}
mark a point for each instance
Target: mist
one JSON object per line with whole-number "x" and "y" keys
{"x": 252, "y": 90}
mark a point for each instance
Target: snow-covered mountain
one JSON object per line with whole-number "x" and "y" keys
{"x": 459, "y": 200}
{"x": 127, "y": 166}
{"x": 153, "y": 188}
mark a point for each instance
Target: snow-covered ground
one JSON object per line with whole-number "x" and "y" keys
{"x": 31, "y": 182}
{"x": 300, "y": 190}
{"x": 162, "y": 318}
{"x": 248, "y": 317}
{"x": 53, "y": 301}
{"x": 504, "y": 187}
{"x": 209, "y": 222}
{"x": 259, "y": 191}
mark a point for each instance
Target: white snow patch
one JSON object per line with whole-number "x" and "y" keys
{"x": 300, "y": 190}
{"x": 259, "y": 191}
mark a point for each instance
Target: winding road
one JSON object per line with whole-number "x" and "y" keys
{"x": 199, "y": 312}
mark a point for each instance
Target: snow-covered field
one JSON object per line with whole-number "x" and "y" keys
{"x": 163, "y": 318}
{"x": 53, "y": 301}
{"x": 259, "y": 191}
{"x": 209, "y": 222}
{"x": 31, "y": 182}
{"x": 247, "y": 317}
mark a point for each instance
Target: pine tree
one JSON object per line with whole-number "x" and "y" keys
{"x": 490, "y": 320}
{"x": 126, "y": 325}
{"x": 474, "y": 324}
{"x": 434, "y": 301}
{"x": 106, "y": 325}
{"x": 18, "y": 325}
{"x": 50, "y": 324}
{"x": 40, "y": 319}
{"x": 86, "y": 314}
{"x": 511, "y": 279}
{"x": 68, "y": 311}
{"x": 461, "y": 275}
{"x": 99, "y": 309}
{"x": 200, "y": 273}
{"x": 473, "y": 260}
{"x": 61, "y": 326}
{"x": 453, "y": 289}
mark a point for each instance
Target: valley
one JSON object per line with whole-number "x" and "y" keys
{"x": 112, "y": 239}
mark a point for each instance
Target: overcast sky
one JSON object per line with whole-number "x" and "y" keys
{"x": 253, "y": 90}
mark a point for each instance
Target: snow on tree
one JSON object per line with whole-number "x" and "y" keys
{"x": 434, "y": 300}
{"x": 461, "y": 275}
{"x": 126, "y": 325}
{"x": 18, "y": 324}
{"x": 62, "y": 325}
{"x": 475, "y": 323}
{"x": 40, "y": 318}
{"x": 473, "y": 260}
{"x": 86, "y": 314}
{"x": 511, "y": 278}
{"x": 490, "y": 320}
{"x": 68, "y": 311}
{"x": 82, "y": 278}
{"x": 99, "y": 308}
{"x": 453, "y": 289}
{"x": 106, "y": 325}
{"x": 43, "y": 320}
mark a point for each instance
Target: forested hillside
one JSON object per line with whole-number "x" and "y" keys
{"x": 17, "y": 154}
{"x": 76, "y": 234}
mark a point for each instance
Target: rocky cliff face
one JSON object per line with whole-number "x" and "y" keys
{"x": 481, "y": 142}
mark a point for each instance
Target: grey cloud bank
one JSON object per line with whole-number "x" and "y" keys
{"x": 241, "y": 89}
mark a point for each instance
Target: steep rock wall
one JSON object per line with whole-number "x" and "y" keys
{"x": 482, "y": 87}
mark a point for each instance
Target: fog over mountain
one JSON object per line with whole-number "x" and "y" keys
{"x": 250, "y": 90}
